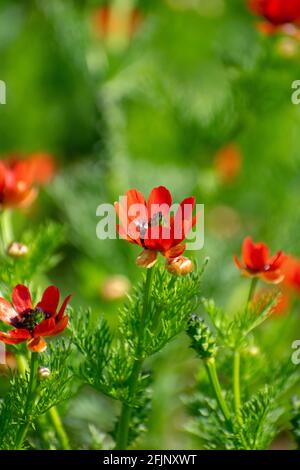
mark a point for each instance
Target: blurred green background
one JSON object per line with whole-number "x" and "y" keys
{"x": 152, "y": 98}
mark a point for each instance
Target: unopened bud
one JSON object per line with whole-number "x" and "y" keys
{"x": 17, "y": 250}
{"x": 180, "y": 266}
{"x": 44, "y": 372}
{"x": 203, "y": 341}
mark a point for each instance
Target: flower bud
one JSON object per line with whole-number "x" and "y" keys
{"x": 180, "y": 266}
{"x": 115, "y": 287}
{"x": 203, "y": 341}
{"x": 43, "y": 372}
{"x": 17, "y": 250}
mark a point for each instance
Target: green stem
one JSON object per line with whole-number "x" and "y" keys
{"x": 237, "y": 361}
{"x": 6, "y": 229}
{"x": 210, "y": 366}
{"x": 253, "y": 285}
{"x": 58, "y": 426}
{"x": 236, "y": 385}
{"x": 22, "y": 364}
{"x": 29, "y": 401}
{"x": 123, "y": 429}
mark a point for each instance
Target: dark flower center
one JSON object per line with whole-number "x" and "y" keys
{"x": 29, "y": 318}
{"x": 143, "y": 225}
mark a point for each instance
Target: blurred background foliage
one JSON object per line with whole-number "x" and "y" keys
{"x": 156, "y": 95}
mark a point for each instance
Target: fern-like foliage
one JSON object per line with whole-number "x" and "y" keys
{"x": 50, "y": 392}
{"x": 41, "y": 256}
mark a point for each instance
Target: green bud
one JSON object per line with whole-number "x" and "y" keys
{"x": 203, "y": 341}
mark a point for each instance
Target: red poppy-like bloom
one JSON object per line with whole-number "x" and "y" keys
{"x": 30, "y": 323}
{"x": 228, "y": 163}
{"x": 152, "y": 226}
{"x": 19, "y": 178}
{"x": 256, "y": 262}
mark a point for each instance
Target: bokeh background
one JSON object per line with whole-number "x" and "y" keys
{"x": 184, "y": 93}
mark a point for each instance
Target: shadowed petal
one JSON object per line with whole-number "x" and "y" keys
{"x": 37, "y": 344}
{"x": 15, "y": 336}
{"x": 50, "y": 300}
{"x": 63, "y": 307}
{"x": 21, "y": 298}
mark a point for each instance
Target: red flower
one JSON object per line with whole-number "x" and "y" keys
{"x": 228, "y": 162}
{"x": 277, "y": 12}
{"x": 291, "y": 269}
{"x": 258, "y": 263}
{"x": 151, "y": 225}
{"x": 19, "y": 177}
{"x": 16, "y": 184}
{"x": 33, "y": 323}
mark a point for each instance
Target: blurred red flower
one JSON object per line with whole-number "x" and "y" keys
{"x": 151, "y": 225}
{"x": 228, "y": 162}
{"x": 256, "y": 262}
{"x": 264, "y": 296}
{"x": 33, "y": 323}
{"x": 291, "y": 269}
{"x": 276, "y": 12}
{"x": 19, "y": 178}
{"x": 108, "y": 20}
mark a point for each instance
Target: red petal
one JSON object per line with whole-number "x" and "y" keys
{"x": 50, "y": 300}
{"x": 146, "y": 259}
{"x": 277, "y": 260}
{"x": 175, "y": 251}
{"x": 15, "y": 336}
{"x": 6, "y": 311}
{"x": 184, "y": 221}
{"x": 134, "y": 197}
{"x": 60, "y": 326}
{"x": 159, "y": 197}
{"x": 63, "y": 308}
{"x": 45, "y": 327}
{"x": 21, "y": 298}
{"x": 255, "y": 255}
{"x": 238, "y": 262}
{"x": 37, "y": 344}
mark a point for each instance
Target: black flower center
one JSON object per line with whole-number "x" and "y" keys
{"x": 29, "y": 318}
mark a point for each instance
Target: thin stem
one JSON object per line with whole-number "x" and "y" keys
{"x": 237, "y": 361}
{"x": 236, "y": 385}
{"x": 22, "y": 364}
{"x": 59, "y": 428}
{"x": 29, "y": 400}
{"x": 6, "y": 229}
{"x": 123, "y": 429}
{"x": 253, "y": 285}
{"x": 210, "y": 366}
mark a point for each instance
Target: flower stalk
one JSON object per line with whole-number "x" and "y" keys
{"x": 32, "y": 386}
{"x": 123, "y": 429}
{"x": 211, "y": 370}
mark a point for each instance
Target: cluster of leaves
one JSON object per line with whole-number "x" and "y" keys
{"x": 108, "y": 359}
{"x": 42, "y": 246}
{"x": 265, "y": 408}
{"x": 51, "y": 391}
